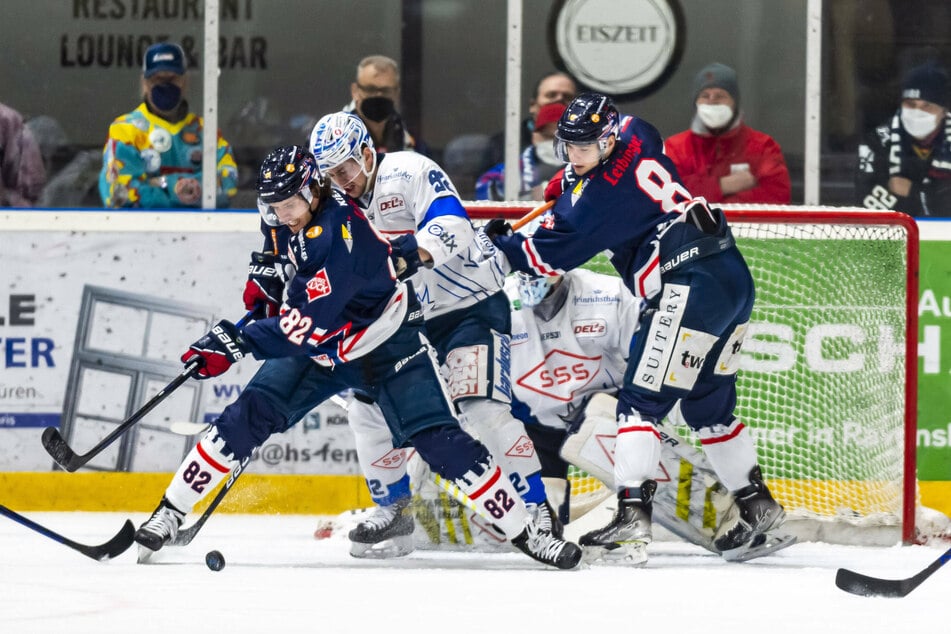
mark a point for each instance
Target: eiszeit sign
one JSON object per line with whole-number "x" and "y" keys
{"x": 619, "y": 48}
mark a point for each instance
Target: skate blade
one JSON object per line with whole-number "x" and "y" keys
{"x": 761, "y": 545}
{"x": 386, "y": 549}
{"x": 632, "y": 553}
{"x": 144, "y": 555}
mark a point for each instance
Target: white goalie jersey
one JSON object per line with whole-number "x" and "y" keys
{"x": 413, "y": 194}
{"x": 576, "y": 352}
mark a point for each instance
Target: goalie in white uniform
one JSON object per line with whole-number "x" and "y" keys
{"x": 410, "y": 200}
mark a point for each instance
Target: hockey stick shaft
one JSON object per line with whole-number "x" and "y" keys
{"x": 112, "y": 548}
{"x": 534, "y": 213}
{"x": 866, "y": 586}
{"x": 63, "y": 454}
{"x": 187, "y": 534}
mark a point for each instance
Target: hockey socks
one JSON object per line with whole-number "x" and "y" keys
{"x": 203, "y": 469}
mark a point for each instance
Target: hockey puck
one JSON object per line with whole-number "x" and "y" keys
{"x": 215, "y": 560}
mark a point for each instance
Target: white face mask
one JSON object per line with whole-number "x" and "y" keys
{"x": 918, "y": 123}
{"x": 714, "y": 116}
{"x": 545, "y": 151}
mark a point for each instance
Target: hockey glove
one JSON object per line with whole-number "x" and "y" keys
{"x": 703, "y": 217}
{"x": 561, "y": 182}
{"x": 405, "y": 256}
{"x": 217, "y": 350}
{"x": 497, "y": 227}
{"x": 264, "y": 289}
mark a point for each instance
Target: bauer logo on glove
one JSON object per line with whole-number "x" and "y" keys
{"x": 216, "y": 351}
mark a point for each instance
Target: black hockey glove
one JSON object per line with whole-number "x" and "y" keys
{"x": 497, "y": 227}
{"x": 405, "y": 256}
{"x": 264, "y": 289}
{"x": 703, "y": 217}
{"x": 217, "y": 350}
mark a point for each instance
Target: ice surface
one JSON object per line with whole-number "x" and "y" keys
{"x": 279, "y": 578}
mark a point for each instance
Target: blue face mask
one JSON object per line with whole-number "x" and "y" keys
{"x": 166, "y": 97}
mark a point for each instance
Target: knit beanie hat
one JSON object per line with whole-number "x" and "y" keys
{"x": 928, "y": 82}
{"x": 717, "y": 75}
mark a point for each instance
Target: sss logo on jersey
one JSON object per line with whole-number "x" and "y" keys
{"x": 561, "y": 375}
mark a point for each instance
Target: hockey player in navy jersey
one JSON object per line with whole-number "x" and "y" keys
{"x": 622, "y": 195}
{"x": 348, "y": 324}
{"x": 458, "y": 281}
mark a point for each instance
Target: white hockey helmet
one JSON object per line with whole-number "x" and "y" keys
{"x": 338, "y": 137}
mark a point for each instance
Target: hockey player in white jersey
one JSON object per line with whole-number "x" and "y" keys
{"x": 411, "y": 201}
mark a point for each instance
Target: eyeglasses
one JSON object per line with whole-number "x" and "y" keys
{"x": 378, "y": 91}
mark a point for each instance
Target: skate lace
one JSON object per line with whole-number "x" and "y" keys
{"x": 541, "y": 516}
{"x": 164, "y": 522}
{"x": 543, "y": 544}
{"x": 382, "y": 516}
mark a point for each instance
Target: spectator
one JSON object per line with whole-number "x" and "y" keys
{"x": 22, "y": 174}
{"x": 554, "y": 87}
{"x": 537, "y": 164}
{"x": 153, "y": 156}
{"x": 906, "y": 163}
{"x": 720, "y": 157}
{"x": 375, "y": 95}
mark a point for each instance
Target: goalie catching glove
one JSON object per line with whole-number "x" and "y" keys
{"x": 497, "y": 227}
{"x": 217, "y": 350}
{"x": 264, "y": 289}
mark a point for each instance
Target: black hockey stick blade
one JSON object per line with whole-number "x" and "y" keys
{"x": 866, "y": 586}
{"x": 103, "y": 552}
{"x": 57, "y": 447}
{"x": 187, "y": 534}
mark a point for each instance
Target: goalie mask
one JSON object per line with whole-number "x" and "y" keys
{"x": 285, "y": 172}
{"x": 590, "y": 118}
{"x": 337, "y": 142}
{"x": 532, "y": 290}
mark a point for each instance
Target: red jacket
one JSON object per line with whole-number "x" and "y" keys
{"x": 702, "y": 159}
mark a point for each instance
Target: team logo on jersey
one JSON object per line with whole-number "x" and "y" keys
{"x": 313, "y": 232}
{"x": 589, "y": 327}
{"x": 318, "y": 286}
{"x": 577, "y": 189}
{"x": 347, "y": 236}
{"x": 561, "y": 375}
{"x": 448, "y": 239}
{"x": 391, "y": 204}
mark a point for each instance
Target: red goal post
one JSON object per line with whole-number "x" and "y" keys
{"x": 830, "y": 383}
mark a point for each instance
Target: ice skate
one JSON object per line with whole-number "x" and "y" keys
{"x": 541, "y": 545}
{"x": 546, "y": 518}
{"x": 625, "y": 539}
{"x": 387, "y": 532}
{"x": 756, "y": 513}
{"x": 158, "y": 530}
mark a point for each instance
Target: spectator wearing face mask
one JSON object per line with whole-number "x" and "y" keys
{"x": 153, "y": 156}
{"x": 905, "y": 164}
{"x": 720, "y": 157}
{"x": 375, "y": 96}
{"x": 537, "y": 163}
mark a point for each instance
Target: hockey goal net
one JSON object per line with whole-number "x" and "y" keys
{"x": 828, "y": 380}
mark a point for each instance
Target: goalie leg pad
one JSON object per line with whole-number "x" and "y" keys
{"x": 202, "y": 470}
{"x": 506, "y": 439}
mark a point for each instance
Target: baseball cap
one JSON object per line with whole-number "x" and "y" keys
{"x": 164, "y": 57}
{"x": 549, "y": 113}
{"x": 928, "y": 82}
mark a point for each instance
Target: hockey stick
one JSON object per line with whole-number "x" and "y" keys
{"x": 186, "y": 535}
{"x": 111, "y": 549}
{"x": 866, "y": 586}
{"x": 534, "y": 213}
{"x": 57, "y": 447}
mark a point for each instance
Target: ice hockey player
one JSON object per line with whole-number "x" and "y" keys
{"x": 571, "y": 338}
{"x": 412, "y": 202}
{"x": 349, "y": 324}
{"x": 622, "y": 194}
